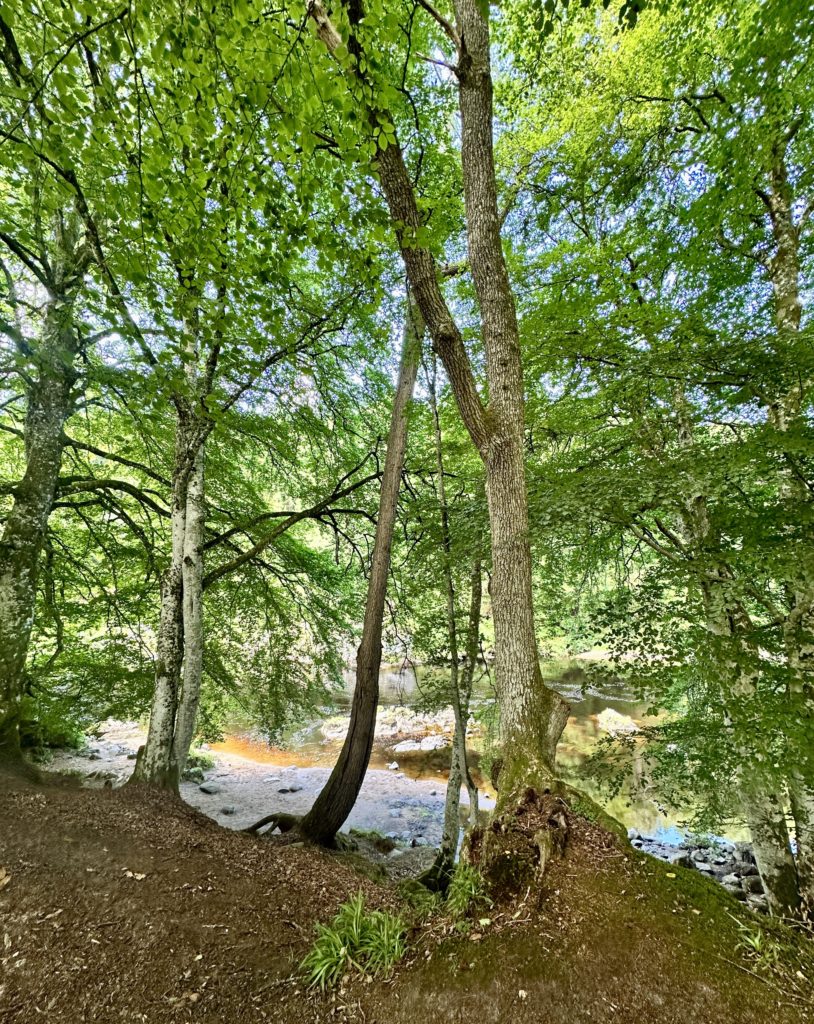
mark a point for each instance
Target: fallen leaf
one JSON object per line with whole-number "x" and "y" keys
{"x": 671, "y": 874}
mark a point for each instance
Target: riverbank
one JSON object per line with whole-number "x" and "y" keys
{"x": 128, "y": 906}
{"x": 237, "y": 790}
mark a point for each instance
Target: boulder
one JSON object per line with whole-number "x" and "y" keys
{"x": 681, "y": 859}
{"x": 407, "y": 746}
{"x": 210, "y": 788}
{"x": 752, "y": 885}
{"x": 737, "y": 892}
{"x": 731, "y": 879}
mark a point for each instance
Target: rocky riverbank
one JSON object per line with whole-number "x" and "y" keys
{"x": 731, "y": 864}
{"x": 402, "y": 797}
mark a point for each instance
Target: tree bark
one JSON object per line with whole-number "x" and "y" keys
{"x": 50, "y": 403}
{"x": 192, "y": 575}
{"x": 759, "y": 802}
{"x": 532, "y": 716}
{"x": 798, "y": 629}
{"x": 335, "y": 802}
{"x": 459, "y": 696}
{"x": 154, "y": 762}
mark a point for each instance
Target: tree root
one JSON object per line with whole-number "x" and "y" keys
{"x": 282, "y": 821}
{"x": 514, "y": 850}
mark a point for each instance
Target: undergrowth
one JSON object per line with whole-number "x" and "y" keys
{"x": 467, "y": 893}
{"x": 369, "y": 942}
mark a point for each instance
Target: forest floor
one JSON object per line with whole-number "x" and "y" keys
{"x": 123, "y": 906}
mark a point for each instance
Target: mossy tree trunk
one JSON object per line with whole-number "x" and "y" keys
{"x": 532, "y": 716}
{"x": 51, "y": 378}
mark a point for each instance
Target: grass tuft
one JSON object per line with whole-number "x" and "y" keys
{"x": 369, "y": 942}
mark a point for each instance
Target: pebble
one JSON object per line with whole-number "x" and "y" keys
{"x": 229, "y": 809}
{"x": 210, "y": 788}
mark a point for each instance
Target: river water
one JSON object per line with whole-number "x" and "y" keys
{"x": 599, "y": 707}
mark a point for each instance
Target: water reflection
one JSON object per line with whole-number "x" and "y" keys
{"x": 599, "y": 705}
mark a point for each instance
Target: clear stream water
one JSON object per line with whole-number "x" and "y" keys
{"x": 594, "y": 705}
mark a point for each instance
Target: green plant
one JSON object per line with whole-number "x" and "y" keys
{"x": 200, "y": 759}
{"x": 467, "y": 892}
{"x": 758, "y": 945}
{"x": 370, "y": 942}
{"x": 422, "y": 903}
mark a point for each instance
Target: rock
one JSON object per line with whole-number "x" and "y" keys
{"x": 434, "y": 792}
{"x": 193, "y": 775}
{"x": 752, "y": 885}
{"x": 391, "y": 835}
{"x": 701, "y": 865}
{"x": 393, "y": 766}
{"x": 699, "y": 856}
{"x": 94, "y": 757}
{"x": 732, "y": 879}
{"x": 614, "y": 724}
{"x": 638, "y": 843}
{"x": 132, "y": 756}
{"x": 407, "y": 746}
{"x": 758, "y": 903}
{"x": 681, "y": 860}
{"x": 395, "y": 812}
{"x": 294, "y": 788}
{"x": 633, "y": 833}
{"x": 229, "y": 809}
{"x": 210, "y": 787}
{"x": 395, "y": 853}
{"x": 434, "y": 742}
{"x": 406, "y": 836}
{"x": 745, "y": 869}
{"x": 420, "y": 841}
{"x": 737, "y": 892}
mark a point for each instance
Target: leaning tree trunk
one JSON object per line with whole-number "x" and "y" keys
{"x": 335, "y": 802}
{"x": 532, "y": 716}
{"x": 50, "y": 404}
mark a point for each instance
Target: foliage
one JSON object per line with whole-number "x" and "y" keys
{"x": 467, "y": 894}
{"x": 369, "y": 942}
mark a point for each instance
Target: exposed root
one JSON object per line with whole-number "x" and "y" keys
{"x": 514, "y": 850}
{"x": 280, "y": 821}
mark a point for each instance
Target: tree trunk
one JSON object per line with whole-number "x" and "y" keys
{"x": 459, "y": 768}
{"x": 758, "y": 801}
{"x": 192, "y": 574}
{"x": 532, "y": 716}
{"x": 798, "y": 629}
{"x": 50, "y": 403}
{"x": 154, "y": 762}
{"x": 335, "y": 802}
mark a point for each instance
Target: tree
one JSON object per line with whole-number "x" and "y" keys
{"x": 532, "y": 716}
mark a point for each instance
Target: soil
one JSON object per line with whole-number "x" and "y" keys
{"x": 123, "y": 905}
